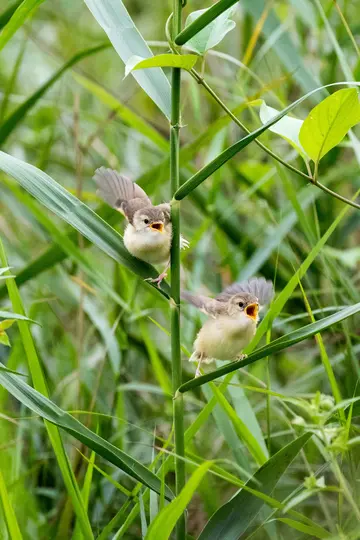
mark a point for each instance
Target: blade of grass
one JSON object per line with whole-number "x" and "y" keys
{"x": 40, "y": 384}
{"x": 230, "y": 523}
{"x": 22, "y": 12}
{"x": 166, "y": 520}
{"x": 10, "y": 517}
{"x": 45, "y": 408}
{"x": 18, "y": 115}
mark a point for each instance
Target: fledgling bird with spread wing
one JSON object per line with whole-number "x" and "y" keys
{"x": 233, "y": 316}
{"x": 149, "y": 232}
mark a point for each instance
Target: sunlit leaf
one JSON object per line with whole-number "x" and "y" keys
{"x": 115, "y": 20}
{"x": 288, "y": 127}
{"x": 17, "y": 20}
{"x": 184, "y": 61}
{"x": 329, "y": 122}
{"x": 213, "y": 33}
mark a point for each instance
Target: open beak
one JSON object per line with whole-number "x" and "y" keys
{"x": 252, "y": 311}
{"x": 157, "y": 226}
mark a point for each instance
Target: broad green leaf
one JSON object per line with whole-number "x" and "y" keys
{"x": 115, "y": 20}
{"x": 199, "y": 177}
{"x": 234, "y": 518}
{"x": 288, "y": 127}
{"x": 274, "y": 346}
{"x": 329, "y": 122}
{"x": 54, "y": 197}
{"x": 183, "y": 61}
{"x": 18, "y": 18}
{"x": 18, "y": 114}
{"x": 10, "y": 517}
{"x": 166, "y": 520}
{"x": 213, "y": 33}
{"x": 45, "y": 408}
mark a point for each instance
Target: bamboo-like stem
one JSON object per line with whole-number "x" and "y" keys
{"x": 178, "y": 401}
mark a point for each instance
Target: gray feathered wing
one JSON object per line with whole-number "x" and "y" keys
{"x": 259, "y": 287}
{"x": 209, "y": 306}
{"x": 120, "y": 192}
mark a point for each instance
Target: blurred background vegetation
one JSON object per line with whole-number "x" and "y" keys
{"x": 252, "y": 217}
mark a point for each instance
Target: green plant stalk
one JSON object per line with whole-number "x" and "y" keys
{"x": 40, "y": 385}
{"x": 202, "y": 21}
{"x": 178, "y": 402}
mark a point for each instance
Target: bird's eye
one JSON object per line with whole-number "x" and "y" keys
{"x": 146, "y": 221}
{"x": 241, "y": 304}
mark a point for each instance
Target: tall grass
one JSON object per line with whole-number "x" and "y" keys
{"x": 132, "y": 446}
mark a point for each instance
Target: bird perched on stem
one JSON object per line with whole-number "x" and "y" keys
{"x": 149, "y": 232}
{"x": 233, "y": 316}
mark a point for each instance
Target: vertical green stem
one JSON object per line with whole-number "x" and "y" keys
{"x": 178, "y": 411}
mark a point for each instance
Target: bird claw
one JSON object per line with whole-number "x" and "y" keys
{"x": 157, "y": 280}
{"x": 241, "y": 357}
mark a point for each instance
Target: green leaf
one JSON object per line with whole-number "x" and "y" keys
{"x": 115, "y": 20}
{"x": 18, "y": 18}
{"x": 10, "y": 517}
{"x": 6, "y": 15}
{"x": 40, "y": 384}
{"x": 235, "y": 517}
{"x": 17, "y": 116}
{"x": 183, "y": 61}
{"x": 274, "y": 346}
{"x": 213, "y": 33}
{"x": 203, "y": 20}
{"x": 166, "y": 520}
{"x": 16, "y": 316}
{"x": 4, "y": 325}
{"x": 54, "y": 197}
{"x": 313, "y": 532}
{"x": 44, "y": 407}
{"x": 242, "y": 431}
{"x": 329, "y": 122}
{"x": 4, "y": 339}
{"x": 288, "y": 127}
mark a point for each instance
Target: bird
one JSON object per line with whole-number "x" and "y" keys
{"x": 148, "y": 234}
{"x": 233, "y": 317}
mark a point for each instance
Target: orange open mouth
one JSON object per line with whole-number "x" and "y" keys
{"x": 252, "y": 310}
{"x": 157, "y": 226}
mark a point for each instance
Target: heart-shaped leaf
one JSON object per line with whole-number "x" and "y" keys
{"x": 329, "y": 122}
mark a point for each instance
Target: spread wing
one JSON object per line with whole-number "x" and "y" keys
{"x": 119, "y": 191}
{"x": 259, "y": 287}
{"x": 209, "y": 306}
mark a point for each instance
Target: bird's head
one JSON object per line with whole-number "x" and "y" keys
{"x": 150, "y": 220}
{"x": 245, "y": 303}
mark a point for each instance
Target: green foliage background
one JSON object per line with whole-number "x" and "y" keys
{"x": 102, "y": 340}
